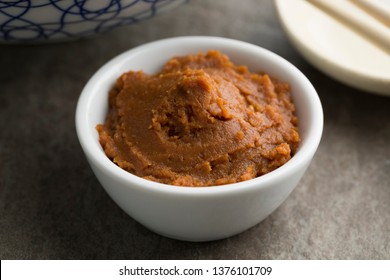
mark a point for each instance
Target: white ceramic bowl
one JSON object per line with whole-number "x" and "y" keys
{"x": 59, "y": 20}
{"x": 198, "y": 213}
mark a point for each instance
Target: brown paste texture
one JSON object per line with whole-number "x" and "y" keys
{"x": 200, "y": 121}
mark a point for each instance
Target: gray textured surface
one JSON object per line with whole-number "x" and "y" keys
{"x": 51, "y": 205}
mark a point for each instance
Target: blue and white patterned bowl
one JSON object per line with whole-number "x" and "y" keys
{"x": 37, "y": 21}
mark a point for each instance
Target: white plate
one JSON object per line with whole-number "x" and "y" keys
{"x": 334, "y": 48}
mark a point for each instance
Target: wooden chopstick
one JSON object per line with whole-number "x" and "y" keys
{"x": 376, "y": 9}
{"x": 356, "y": 18}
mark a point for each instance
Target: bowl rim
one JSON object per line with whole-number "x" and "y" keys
{"x": 96, "y": 155}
